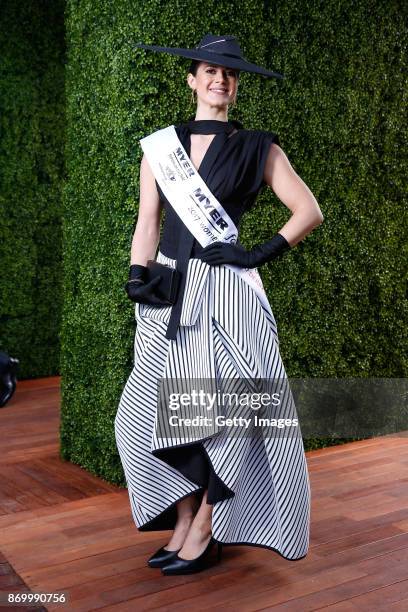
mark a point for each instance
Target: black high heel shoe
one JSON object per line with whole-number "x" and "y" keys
{"x": 178, "y": 565}
{"x": 162, "y": 557}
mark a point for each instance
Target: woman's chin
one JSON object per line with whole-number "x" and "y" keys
{"x": 218, "y": 103}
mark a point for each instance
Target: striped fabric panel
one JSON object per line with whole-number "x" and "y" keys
{"x": 226, "y": 334}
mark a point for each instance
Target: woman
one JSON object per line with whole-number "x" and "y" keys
{"x": 226, "y": 489}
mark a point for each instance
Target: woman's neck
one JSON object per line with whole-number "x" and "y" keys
{"x": 211, "y": 113}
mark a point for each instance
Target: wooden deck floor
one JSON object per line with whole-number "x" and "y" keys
{"x": 64, "y": 529}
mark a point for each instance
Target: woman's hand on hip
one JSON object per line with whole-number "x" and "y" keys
{"x": 219, "y": 253}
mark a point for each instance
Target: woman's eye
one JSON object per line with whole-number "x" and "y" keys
{"x": 211, "y": 71}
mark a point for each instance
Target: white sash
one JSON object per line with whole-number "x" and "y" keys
{"x": 194, "y": 203}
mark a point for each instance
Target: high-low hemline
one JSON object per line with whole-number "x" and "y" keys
{"x": 268, "y": 478}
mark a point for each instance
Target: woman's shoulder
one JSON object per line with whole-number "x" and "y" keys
{"x": 261, "y": 135}
{"x": 265, "y": 133}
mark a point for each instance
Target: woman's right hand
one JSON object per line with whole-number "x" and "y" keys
{"x": 139, "y": 291}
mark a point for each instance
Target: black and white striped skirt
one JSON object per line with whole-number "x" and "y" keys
{"x": 259, "y": 486}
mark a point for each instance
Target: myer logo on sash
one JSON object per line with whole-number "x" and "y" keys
{"x": 190, "y": 197}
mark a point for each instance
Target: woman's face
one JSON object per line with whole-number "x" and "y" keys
{"x": 215, "y": 85}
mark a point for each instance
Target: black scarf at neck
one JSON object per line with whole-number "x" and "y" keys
{"x": 211, "y": 126}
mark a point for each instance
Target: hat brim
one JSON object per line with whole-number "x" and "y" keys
{"x": 213, "y": 58}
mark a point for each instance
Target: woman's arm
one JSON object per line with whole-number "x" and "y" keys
{"x": 292, "y": 191}
{"x": 294, "y": 194}
{"x": 147, "y": 232}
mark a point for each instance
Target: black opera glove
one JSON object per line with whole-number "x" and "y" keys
{"x": 218, "y": 253}
{"x": 139, "y": 291}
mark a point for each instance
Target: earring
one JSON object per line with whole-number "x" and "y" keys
{"x": 193, "y": 91}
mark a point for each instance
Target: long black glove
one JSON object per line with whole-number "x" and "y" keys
{"x": 137, "y": 289}
{"x": 219, "y": 253}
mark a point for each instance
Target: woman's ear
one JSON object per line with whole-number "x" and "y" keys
{"x": 191, "y": 80}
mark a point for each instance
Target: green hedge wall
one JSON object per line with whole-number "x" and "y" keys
{"x": 31, "y": 173}
{"x": 338, "y": 298}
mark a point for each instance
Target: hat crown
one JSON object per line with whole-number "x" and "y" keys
{"x": 223, "y": 45}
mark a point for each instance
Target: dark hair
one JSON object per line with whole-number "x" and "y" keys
{"x": 195, "y": 64}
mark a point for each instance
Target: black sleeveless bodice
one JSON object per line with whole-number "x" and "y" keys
{"x": 235, "y": 178}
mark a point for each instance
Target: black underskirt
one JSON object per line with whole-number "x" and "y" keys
{"x": 193, "y": 462}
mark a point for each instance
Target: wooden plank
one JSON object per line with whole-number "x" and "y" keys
{"x": 63, "y": 528}
{"x": 47, "y": 382}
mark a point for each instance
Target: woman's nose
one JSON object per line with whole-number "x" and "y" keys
{"x": 221, "y": 76}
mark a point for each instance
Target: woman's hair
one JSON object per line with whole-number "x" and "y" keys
{"x": 195, "y": 64}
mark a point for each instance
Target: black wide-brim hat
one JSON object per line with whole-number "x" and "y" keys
{"x": 218, "y": 50}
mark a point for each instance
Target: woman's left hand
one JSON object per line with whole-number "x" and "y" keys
{"x": 218, "y": 253}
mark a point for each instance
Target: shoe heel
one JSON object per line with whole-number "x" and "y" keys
{"x": 219, "y": 551}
